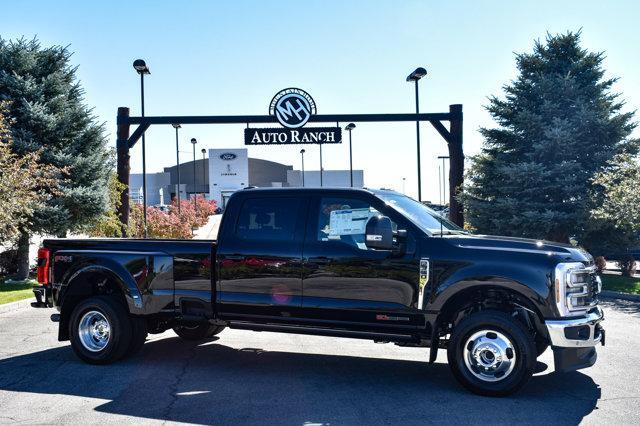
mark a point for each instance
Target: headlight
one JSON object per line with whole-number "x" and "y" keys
{"x": 576, "y": 288}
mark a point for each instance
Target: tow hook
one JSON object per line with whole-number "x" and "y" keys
{"x": 55, "y": 317}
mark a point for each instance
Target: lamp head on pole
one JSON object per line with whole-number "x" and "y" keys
{"x": 176, "y": 126}
{"x": 302, "y": 151}
{"x": 417, "y": 74}
{"x": 203, "y": 151}
{"x": 141, "y": 66}
{"x": 350, "y": 126}
{"x": 194, "y": 141}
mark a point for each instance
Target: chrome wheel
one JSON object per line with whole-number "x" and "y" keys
{"x": 94, "y": 331}
{"x": 489, "y": 355}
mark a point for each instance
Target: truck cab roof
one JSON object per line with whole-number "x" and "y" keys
{"x": 319, "y": 189}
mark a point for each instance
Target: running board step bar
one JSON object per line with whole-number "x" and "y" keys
{"x": 320, "y": 331}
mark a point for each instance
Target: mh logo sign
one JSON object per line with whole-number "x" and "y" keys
{"x": 292, "y": 107}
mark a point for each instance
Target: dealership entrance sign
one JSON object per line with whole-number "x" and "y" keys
{"x": 275, "y": 136}
{"x": 290, "y": 113}
{"x": 292, "y": 108}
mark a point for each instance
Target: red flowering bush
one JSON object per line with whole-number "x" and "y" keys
{"x": 174, "y": 223}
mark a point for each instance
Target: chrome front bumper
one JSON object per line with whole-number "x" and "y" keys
{"x": 582, "y": 332}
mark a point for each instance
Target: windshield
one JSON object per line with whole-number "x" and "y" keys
{"x": 420, "y": 214}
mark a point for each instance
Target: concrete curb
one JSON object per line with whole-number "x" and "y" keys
{"x": 608, "y": 294}
{"x": 14, "y": 306}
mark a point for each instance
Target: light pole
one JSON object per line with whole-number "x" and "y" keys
{"x": 415, "y": 76}
{"x": 320, "y": 164}
{"x": 350, "y": 127}
{"x": 177, "y": 126}
{"x": 194, "y": 142}
{"x": 204, "y": 174}
{"x": 444, "y": 180}
{"x": 302, "y": 151}
{"x": 440, "y": 183}
{"x": 141, "y": 68}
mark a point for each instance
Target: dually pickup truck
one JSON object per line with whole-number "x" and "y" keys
{"x": 351, "y": 263}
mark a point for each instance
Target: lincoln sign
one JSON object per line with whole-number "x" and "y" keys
{"x": 292, "y": 108}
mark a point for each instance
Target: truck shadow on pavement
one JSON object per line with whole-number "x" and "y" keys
{"x": 625, "y": 306}
{"x": 213, "y": 383}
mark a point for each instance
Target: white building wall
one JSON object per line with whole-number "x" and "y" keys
{"x": 155, "y": 183}
{"x": 228, "y": 172}
{"x": 330, "y": 178}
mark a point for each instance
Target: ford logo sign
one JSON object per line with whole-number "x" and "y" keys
{"x": 228, "y": 156}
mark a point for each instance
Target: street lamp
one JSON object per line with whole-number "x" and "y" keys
{"x": 320, "y": 164}
{"x": 302, "y": 151}
{"x": 204, "y": 174}
{"x": 350, "y": 127}
{"x": 403, "y": 180}
{"x": 444, "y": 179}
{"x": 440, "y": 183}
{"x": 141, "y": 68}
{"x": 415, "y": 76}
{"x": 177, "y": 126}
{"x": 194, "y": 142}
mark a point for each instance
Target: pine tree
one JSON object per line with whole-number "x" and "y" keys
{"x": 48, "y": 114}
{"x": 558, "y": 125}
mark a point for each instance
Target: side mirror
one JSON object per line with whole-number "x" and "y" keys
{"x": 379, "y": 233}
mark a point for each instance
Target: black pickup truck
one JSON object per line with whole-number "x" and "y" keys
{"x": 335, "y": 262}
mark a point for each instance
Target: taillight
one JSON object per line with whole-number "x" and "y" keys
{"x": 44, "y": 256}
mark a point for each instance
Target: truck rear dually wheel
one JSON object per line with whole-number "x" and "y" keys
{"x": 491, "y": 353}
{"x": 100, "y": 330}
{"x": 197, "y": 331}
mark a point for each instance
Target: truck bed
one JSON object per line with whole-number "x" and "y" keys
{"x": 156, "y": 276}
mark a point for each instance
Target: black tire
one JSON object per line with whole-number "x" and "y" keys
{"x": 500, "y": 326}
{"x": 138, "y": 335}
{"x": 197, "y": 332}
{"x": 119, "y": 334}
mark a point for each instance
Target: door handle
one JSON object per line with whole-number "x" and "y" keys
{"x": 234, "y": 257}
{"x": 320, "y": 260}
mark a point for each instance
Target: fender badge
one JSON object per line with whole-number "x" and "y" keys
{"x": 423, "y": 279}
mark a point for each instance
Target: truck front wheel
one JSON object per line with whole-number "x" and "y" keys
{"x": 100, "y": 330}
{"x": 197, "y": 331}
{"x": 491, "y": 353}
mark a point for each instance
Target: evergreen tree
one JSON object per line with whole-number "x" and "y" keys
{"x": 558, "y": 125}
{"x": 49, "y": 115}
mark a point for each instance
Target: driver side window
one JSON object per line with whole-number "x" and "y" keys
{"x": 345, "y": 220}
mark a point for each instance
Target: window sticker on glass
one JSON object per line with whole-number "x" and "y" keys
{"x": 348, "y": 222}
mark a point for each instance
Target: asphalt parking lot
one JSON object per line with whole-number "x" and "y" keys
{"x": 267, "y": 378}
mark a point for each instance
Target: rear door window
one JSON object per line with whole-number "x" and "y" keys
{"x": 272, "y": 218}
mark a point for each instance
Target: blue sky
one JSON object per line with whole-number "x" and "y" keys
{"x": 213, "y": 57}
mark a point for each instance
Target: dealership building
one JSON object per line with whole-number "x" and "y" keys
{"x": 227, "y": 171}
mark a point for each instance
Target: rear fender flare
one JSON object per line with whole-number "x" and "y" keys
{"x": 115, "y": 271}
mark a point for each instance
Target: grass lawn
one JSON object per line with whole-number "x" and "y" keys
{"x": 12, "y": 292}
{"x": 619, "y": 283}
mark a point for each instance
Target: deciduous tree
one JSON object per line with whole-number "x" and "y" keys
{"x": 24, "y": 185}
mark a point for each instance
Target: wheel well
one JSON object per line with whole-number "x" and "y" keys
{"x": 83, "y": 286}
{"x": 476, "y": 299}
